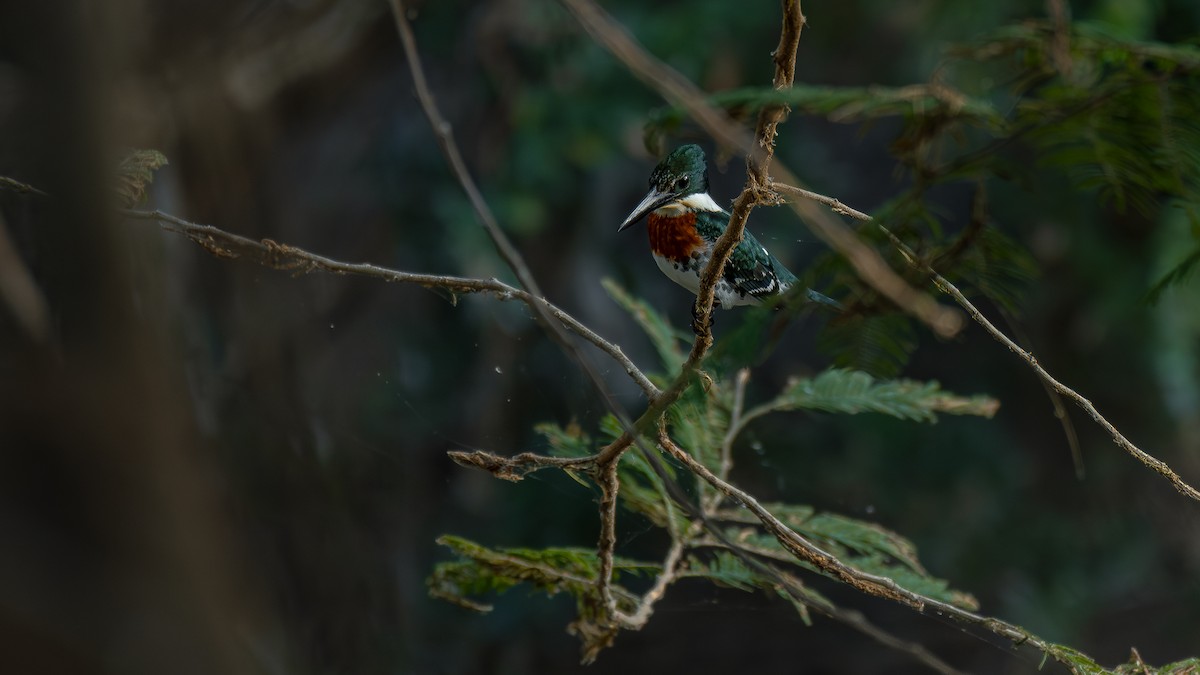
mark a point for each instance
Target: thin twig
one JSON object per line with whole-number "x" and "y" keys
{"x": 445, "y": 137}
{"x": 785, "y": 74}
{"x": 1145, "y": 458}
{"x": 290, "y": 258}
{"x": 1056, "y": 400}
{"x": 833, "y": 204}
{"x": 645, "y": 608}
{"x": 950, "y": 289}
{"x": 866, "y": 262}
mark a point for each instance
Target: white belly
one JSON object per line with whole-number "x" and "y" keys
{"x": 680, "y": 274}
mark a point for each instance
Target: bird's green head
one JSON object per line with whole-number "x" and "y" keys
{"x": 681, "y": 173}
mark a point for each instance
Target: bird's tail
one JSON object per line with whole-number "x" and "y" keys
{"x": 821, "y": 299}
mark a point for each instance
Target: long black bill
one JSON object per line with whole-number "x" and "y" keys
{"x": 651, "y": 201}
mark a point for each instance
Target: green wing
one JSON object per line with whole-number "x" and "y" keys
{"x": 751, "y": 269}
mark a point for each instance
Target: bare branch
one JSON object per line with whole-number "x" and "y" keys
{"x": 950, "y": 289}
{"x": 1124, "y": 443}
{"x": 290, "y": 258}
{"x": 785, "y": 74}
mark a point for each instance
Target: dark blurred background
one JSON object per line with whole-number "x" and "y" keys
{"x": 209, "y": 466}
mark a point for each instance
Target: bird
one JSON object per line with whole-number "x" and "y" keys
{"x": 684, "y": 223}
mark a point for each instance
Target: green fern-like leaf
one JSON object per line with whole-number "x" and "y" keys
{"x": 852, "y": 392}
{"x": 481, "y": 571}
{"x": 862, "y": 537}
{"x": 1077, "y": 661}
{"x": 725, "y": 569}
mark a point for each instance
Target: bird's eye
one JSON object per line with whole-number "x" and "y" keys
{"x": 682, "y": 182}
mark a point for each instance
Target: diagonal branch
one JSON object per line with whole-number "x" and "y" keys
{"x": 445, "y": 138}
{"x": 872, "y": 584}
{"x": 950, "y": 289}
{"x": 224, "y": 244}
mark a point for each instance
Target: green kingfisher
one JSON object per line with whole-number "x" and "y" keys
{"x": 684, "y": 224}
